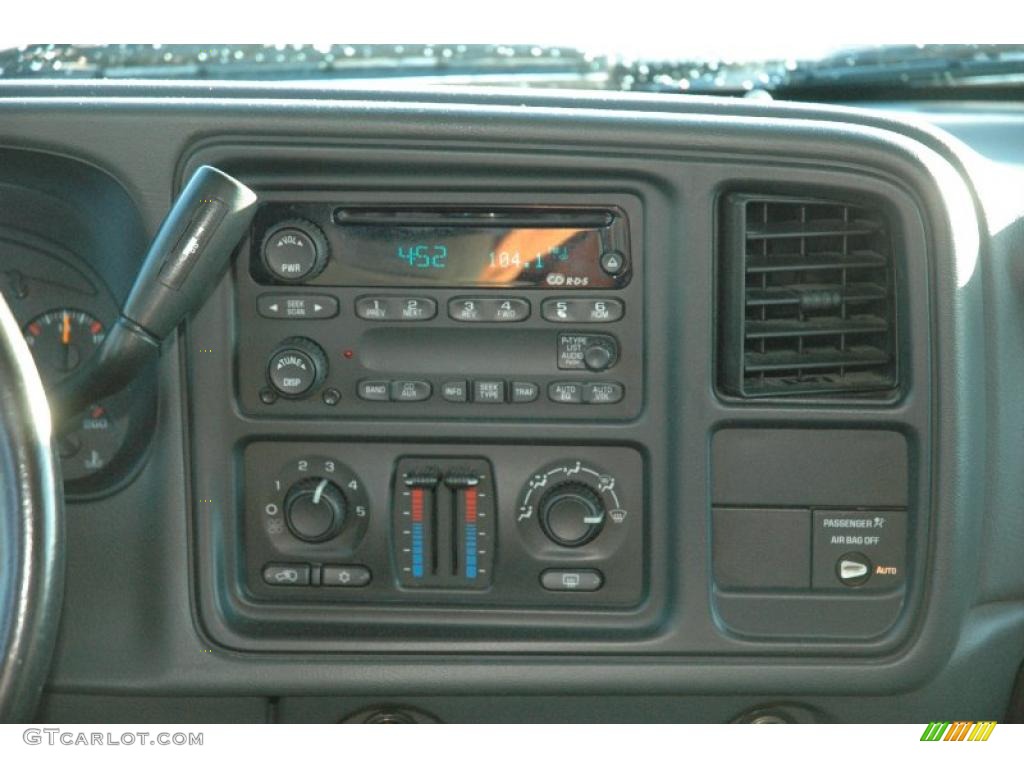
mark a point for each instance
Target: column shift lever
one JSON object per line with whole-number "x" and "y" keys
{"x": 190, "y": 253}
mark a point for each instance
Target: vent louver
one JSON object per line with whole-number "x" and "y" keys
{"x": 807, "y": 297}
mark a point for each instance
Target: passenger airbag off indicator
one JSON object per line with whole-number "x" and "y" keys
{"x": 859, "y": 549}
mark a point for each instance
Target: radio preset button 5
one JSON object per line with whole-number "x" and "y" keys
{"x": 582, "y": 310}
{"x": 395, "y": 308}
{"x": 471, "y": 309}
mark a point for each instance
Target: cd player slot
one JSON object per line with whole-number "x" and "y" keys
{"x": 470, "y": 217}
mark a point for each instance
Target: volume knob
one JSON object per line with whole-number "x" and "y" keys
{"x": 295, "y": 250}
{"x": 297, "y": 367}
{"x": 572, "y": 514}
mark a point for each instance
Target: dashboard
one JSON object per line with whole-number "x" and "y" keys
{"x": 621, "y": 407}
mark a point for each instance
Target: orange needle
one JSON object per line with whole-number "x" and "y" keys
{"x": 65, "y": 336}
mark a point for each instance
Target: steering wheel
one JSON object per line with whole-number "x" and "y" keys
{"x": 31, "y": 529}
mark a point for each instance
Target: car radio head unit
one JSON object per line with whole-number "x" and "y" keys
{"x": 446, "y": 247}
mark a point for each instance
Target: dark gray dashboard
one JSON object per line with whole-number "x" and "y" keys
{"x": 730, "y": 577}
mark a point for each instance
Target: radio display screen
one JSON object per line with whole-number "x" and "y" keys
{"x": 473, "y": 253}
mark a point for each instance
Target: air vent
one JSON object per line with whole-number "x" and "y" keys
{"x": 807, "y": 298}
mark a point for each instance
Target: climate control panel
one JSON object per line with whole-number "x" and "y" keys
{"x": 489, "y": 525}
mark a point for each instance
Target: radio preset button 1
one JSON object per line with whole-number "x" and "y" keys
{"x": 293, "y": 307}
{"x": 524, "y": 391}
{"x": 410, "y": 391}
{"x": 582, "y": 310}
{"x": 395, "y": 308}
{"x": 471, "y": 309}
{"x": 375, "y": 390}
{"x": 603, "y": 393}
{"x": 565, "y": 392}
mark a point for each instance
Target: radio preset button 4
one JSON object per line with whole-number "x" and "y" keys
{"x": 472, "y": 309}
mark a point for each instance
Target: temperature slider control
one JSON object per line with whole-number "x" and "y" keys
{"x": 444, "y": 518}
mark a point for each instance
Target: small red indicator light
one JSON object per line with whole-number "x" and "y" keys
{"x": 349, "y": 354}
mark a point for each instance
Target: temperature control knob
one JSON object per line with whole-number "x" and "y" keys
{"x": 295, "y": 250}
{"x": 572, "y": 514}
{"x": 297, "y": 367}
{"x": 315, "y": 509}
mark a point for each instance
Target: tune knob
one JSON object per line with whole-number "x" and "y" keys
{"x": 572, "y": 514}
{"x": 315, "y": 509}
{"x": 297, "y": 367}
{"x": 295, "y": 250}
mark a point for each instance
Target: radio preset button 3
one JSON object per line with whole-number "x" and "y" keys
{"x": 471, "y": 309}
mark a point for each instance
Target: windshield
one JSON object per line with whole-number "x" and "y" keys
{"x": 852, "y": 71}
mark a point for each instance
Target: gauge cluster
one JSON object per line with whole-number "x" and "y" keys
{"x": 64, "y": 310}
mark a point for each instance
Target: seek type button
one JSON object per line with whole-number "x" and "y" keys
{"x": 488, "y": 391}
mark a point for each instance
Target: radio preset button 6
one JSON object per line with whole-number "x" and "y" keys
{"x": 471, "y": 309}
{"x": 296, "y": 307}
{"x": 582, "y": 310}
{"x": 395, "y": 308}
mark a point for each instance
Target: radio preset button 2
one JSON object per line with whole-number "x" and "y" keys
{"x": 395, "y": 308}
